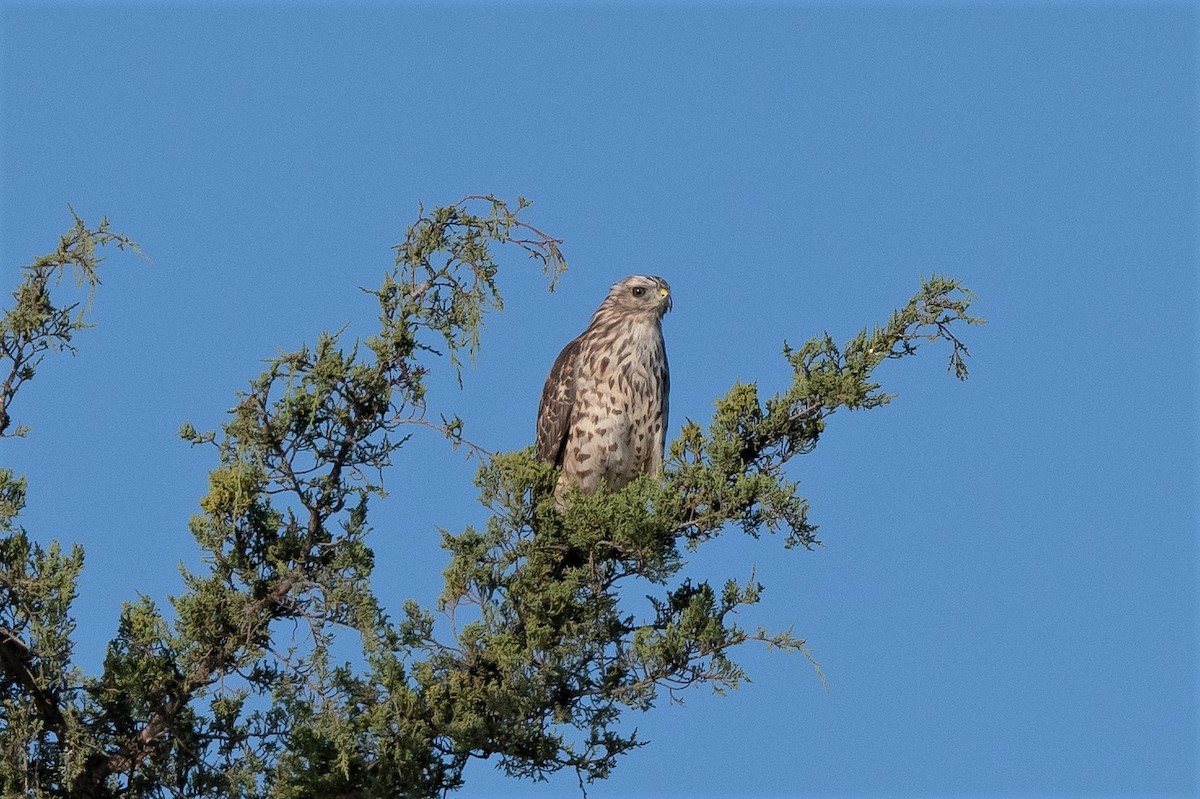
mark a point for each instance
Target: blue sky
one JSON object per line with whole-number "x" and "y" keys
{"x": 1006, "y": 601}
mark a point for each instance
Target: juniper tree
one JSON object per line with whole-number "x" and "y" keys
{"x": 545, "y": 653}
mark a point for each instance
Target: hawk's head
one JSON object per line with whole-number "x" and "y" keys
{"x": 640, "y": 294}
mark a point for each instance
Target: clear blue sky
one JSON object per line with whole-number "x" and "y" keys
{"x": 1007, "y": 597}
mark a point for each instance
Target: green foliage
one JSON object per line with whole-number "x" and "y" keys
{"x": 551, "y": 628}
{"x": 12, "y": 497}
{"x": 38, "y": 705}
{"x": 35, "y": 324}
{"x": 734, "y": 471}
{"x": 44, "y": 724}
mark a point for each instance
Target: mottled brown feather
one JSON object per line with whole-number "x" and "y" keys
{"x": 554, "y": 411}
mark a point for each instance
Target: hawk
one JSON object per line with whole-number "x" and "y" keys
{"x": 603, "y": 414}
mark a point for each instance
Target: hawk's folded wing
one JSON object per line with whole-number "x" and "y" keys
{"x": 558, "y": 400}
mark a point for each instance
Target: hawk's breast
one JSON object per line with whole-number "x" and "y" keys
{"x": 618, "y": 405}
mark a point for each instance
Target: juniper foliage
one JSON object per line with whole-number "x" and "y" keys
{"x": 552, "y": 626}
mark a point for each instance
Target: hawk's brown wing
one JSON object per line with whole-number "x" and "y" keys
{"x": 558, "y": 399}
{"x": 665, "y": 393}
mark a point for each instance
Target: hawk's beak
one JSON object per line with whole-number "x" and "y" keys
{"x": 664, "y": 296}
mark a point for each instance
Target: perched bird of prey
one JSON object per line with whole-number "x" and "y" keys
{"x": 603, "y": 414}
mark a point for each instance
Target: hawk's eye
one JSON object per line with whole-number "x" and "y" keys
{"x": 638, "y": 291}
